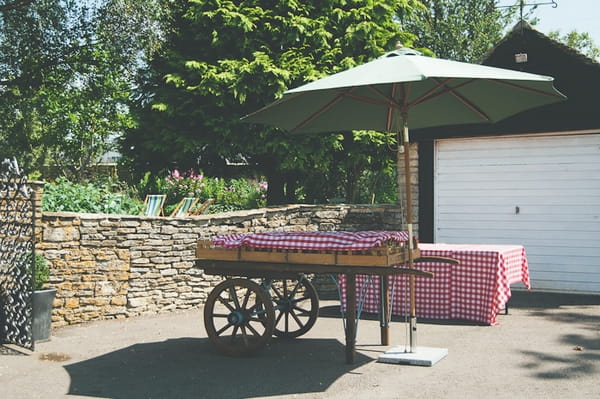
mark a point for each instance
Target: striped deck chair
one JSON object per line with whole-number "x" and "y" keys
{"x": 153, "y": 205}
{"x": 200, "y": 209}
{"x": 183, "y": 208}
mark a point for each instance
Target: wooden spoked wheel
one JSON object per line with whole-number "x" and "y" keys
{"x": 239, "y": 317}
{"x": 296, "y": 306}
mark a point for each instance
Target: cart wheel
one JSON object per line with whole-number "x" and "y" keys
{"x": 296, "y": 306}
{"x": 239, "y": 317}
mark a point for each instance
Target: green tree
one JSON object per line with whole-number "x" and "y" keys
{"x": 225, "y": 59}
{"x": 67, "y": 68}
{"x": 359, "y": 161}
{"x": 461, "y": 30}
{"x": 31, "y": 52}
{"x": 580, "y": 41}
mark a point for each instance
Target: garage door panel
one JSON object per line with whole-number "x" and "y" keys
{"x": 578, "y": 254}
{"x": 567, "y": 276}
{"x": 518, "y": 155}
{"x": 521, "y": 158}
{"x": 458, "y": 198}
{"x": 577, "y": 241}
{"x": 546, "y": 211}
{"x": 507, "y": 182}
{"x": 567, "y": 286}
{"x": 484, "y": 235}
{"x": 575, "y": 141}
{"x": 558, "y": 227}
{"x": 504, "y": 213}
{"x": 554, "y": 264}
{"x": 555, "y": 183}
{"x": 508, "y": 170}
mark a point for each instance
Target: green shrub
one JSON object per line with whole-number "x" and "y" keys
{"x": 42, "y": 272}
{"x": 102, "y": 197}
{"x": 229, "y": 194}
{"x": 234, "y": 194}
{"x": 379, "y": 186}
{"x": 113, "y": 197}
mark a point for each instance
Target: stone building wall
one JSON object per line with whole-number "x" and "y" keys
{"x": 117, "y": 266}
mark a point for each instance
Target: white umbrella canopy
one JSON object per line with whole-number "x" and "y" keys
{"x": 403, "y": 88}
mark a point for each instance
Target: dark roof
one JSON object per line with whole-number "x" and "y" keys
{"x": 517, "y": 33}
{"x": 575, "y": 75}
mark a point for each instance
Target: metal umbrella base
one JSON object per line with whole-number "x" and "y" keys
{"x": 421, "y": 356}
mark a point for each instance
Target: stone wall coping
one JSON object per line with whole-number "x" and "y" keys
{"x": 222, "y": 215}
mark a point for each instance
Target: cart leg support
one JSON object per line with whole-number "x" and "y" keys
{"x": 350, "y": 318}
{"x": 384, "y": 310}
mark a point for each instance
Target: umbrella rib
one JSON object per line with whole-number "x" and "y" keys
{"x": 388, "y": 101}
{"x": 391, "y": 103}
{"x": 390, "y": 108}
{"x": 516, "y": 86}
{"x": 470, "y": 105}
{"x": 321, "y": 111}
{"x": 405, "y": 106}
{"x": 451, "y": 91}
{"x": 272, "y": 105}
{"x": 427, "y": 95}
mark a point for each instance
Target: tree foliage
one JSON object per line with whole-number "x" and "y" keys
{"x": 66, "y": 69}
{"x": 225, "y": 59}
{"x": 461, "y": 30}
{"x": 581, "y": 41}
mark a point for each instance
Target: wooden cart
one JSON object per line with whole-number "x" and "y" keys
{"x": 266, "y": 292}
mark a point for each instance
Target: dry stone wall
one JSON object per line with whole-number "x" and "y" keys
{"x": 117, "y": 266}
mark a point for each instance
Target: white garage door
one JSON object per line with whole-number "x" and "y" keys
{"x": 542, "y": 192}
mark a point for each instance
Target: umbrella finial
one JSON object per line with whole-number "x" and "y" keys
{"x": 400, "y": 50}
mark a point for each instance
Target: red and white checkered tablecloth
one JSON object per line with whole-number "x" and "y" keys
{"x": 313, "y": 240}
{"x": 476, "y": 289}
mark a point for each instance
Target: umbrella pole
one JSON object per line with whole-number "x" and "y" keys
{"x": 422, "y": 356}
{"x": 409, "y": 221}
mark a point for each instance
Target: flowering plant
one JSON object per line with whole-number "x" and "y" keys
{"x": 229, "y": 194}
{"x": 186, "y": 184}
{"x": 232, "y": 194}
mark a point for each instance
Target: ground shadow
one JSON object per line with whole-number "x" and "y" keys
{"x": 192, "y": 368}
{"x": 580, "y": 360}
{"x": 333, "y": 311}
{"x": 577, "y": 352}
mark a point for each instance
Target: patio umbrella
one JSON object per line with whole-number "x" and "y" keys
{"x": 403, "y": 88}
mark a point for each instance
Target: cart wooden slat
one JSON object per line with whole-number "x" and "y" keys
{"x": 392, "y": 253}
